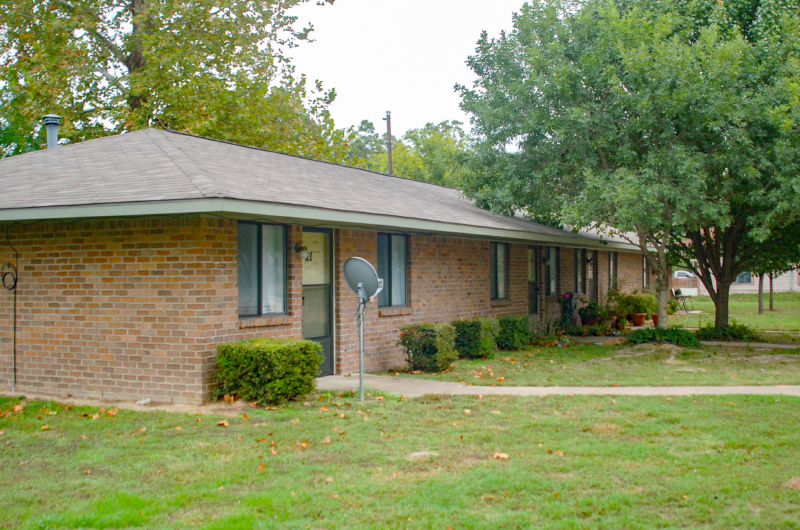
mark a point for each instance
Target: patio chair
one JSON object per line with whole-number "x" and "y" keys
{"x": 682, "y": 299}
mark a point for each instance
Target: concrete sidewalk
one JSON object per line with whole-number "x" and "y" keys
{"x": 601, "y": 341}
{"x": 412, "y": 387}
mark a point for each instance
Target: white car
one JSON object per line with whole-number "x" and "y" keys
{"x": 683, "y": 274}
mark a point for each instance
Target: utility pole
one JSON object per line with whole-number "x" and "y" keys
{"x": 388, "y": 120}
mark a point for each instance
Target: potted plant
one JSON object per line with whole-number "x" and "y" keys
{"x": 622, "y": 323}
{"x": 639, "y": 307}
{"x": 591, "y": 314}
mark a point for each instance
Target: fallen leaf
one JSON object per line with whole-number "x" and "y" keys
{"x": 262, "y": 467}
{"x": 501, "y": 379}
{"x": 88, "y": 471}
{"x": 229, "y": 398}
{"x": 329, "y": 480}
{"x": 684, "y": 497}
{"x": 342, "y": 433}
{"x": 254, "y": 404}
{"x": 324, "y": 408}
{"x": 480, "y": 396}
{"x": 221, "y": 488}
{"x": 246, "y": 417}
{"x": 179, "y": 428}
{"x": 140, "y": 431}
{"x": 379, "y": 398}
{"x": 45, "y": 427}
{"x": 67, "y": 407}
{"x": 296, "y": 420}
{"x": 500, "y": 456}
{"x": 303, "y": 444}
{"x": 467, "y": 411}
{"x": 273, "y": 452}
{"x": 223, "y": 423}
{"x": 95, "y": 416}
{"x": 103, "y": 410}
{"x": 83, "y": 436}
{"x": 416, "y": 371}
{"x": 342, "y": 415}
{"x": 559, "y": 453}
{"x": 327, "y": 440}
{"x": 239, "y": 438}
{"x": 112, "y": 412}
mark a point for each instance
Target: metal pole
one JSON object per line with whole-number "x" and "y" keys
{"x": 388, "y": 119}
{"x": 361, "y": 306}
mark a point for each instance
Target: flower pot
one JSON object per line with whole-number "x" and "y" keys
{"x": 639, "y": 318}
{"x": 612, "y": 322}
{"x": 655, "y": 319}
{"x": 621, "y": 324}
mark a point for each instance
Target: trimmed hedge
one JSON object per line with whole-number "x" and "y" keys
{"x": 428, "y": 347}
{"x": 267, "y": 370}
{"x": 515, "y": 332}
{"x": 476, "y": 338}
{"x": 676, "y": 335}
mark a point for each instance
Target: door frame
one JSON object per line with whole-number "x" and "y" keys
{"x": 332, "y": 298}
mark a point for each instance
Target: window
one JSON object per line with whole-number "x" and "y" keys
{"x": 393, "y": 269}
{"x": 551, "y": 271}
{"x": 499, "y": 271}
{"x": 580, "y": 270}
{"x": 744, "y": 277}
{"x": 612, "y": 270}
{"x": 262, "y": 269}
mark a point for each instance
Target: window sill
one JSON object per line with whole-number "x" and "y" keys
{"x": 394, "y": 311}
{"x": 500, "y": 303}
{"x": 263, "y": 322}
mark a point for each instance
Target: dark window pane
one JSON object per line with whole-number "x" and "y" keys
{"x": 248, "y": 269}
{"x": 384, "y": 270}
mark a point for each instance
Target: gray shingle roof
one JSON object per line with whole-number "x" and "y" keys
{"x": 156, "y": 165}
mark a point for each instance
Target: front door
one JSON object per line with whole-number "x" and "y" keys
{"x": 318, "y": 293}
{"x": 591, "y": 276}
{"x": 533, "y": 281}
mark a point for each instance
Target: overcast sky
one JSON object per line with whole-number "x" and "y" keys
{"x": 399, "y": 55}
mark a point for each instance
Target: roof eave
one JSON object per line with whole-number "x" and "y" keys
{"x": 237, "y": 208}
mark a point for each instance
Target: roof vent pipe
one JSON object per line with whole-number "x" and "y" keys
{"x": 52, "y": 121}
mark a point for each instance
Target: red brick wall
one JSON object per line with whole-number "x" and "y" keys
{"x": 448, "y": 279}
{"x": 128, "y": 308}
{"x": 131, "y": 309}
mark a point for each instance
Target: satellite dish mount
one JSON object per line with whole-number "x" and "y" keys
{"x": 363, "y": 280}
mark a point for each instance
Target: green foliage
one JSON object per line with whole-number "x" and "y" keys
{"x": 435, "y": 153}
{"x": 205, "y": 68}
{"x": 429, "y": 347}
{"x": 592, "y": 310}
{"x": 674, "y": 120}
{"x": 672, "y": 306}
{"x": 476, "y": 338}
{"x": 267, "y": 370}
{"x": 568, "y": 305}
{"x": 515, "y": 332}
{"x": 627, "y": 304}
{"x": 676, "y": 335}
{"x": 732, "y": 332}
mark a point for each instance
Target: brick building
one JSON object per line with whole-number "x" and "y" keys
{"x": 137, "y": 254}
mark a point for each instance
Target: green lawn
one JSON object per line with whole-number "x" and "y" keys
{"x": 744, "y": 309}
{"x": 572, "y": 462}
{"x": 642, "y": 365}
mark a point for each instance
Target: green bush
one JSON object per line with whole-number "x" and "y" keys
{"x": 476, "y": 338}
{"x": 267, "y": 370}
{"x": 428, "y": 347}
{"x": 515, "y": 332}
{"x": 732, "y": 332}
{"x": 676, "y": 335}
{"x": 672, "y": 306}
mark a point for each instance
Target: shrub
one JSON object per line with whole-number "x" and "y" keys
{"x": 476, "y": 338}
{"x": 515, "y": 332}
{"x": 732, "y": 332}
{"x": 428, "y": 347}
{"x": 672, "y": 306}
{"x": 267, "y": 370}
{"x": 676, "y": 335}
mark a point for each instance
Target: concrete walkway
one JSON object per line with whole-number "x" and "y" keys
{"x": 600, "y": 341}
{"x": 412, "y": 387}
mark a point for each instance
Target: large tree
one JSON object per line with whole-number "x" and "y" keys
{"x": 211, "y": 68}
{"x": 639, "y": 118}
{"x": 435, "y": 153}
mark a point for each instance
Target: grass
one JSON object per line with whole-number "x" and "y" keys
{"x": 581, "y": 364}
{"x": 744, "y": 309}
{"x": 713, "y": 462}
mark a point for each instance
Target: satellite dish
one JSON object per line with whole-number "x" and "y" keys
{"x": 360, "y": 271}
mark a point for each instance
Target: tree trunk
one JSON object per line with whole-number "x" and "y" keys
{"x": 721, "y": 304}
{"x": 771, "y": 295}
{"x": 760, "y": 294}
{"x": 663, "y": 302}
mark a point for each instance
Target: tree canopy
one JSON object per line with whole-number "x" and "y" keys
{"x": 216, "y": 69}
{"x": 435, "y": 153}
{"x": 661, "y": 118}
